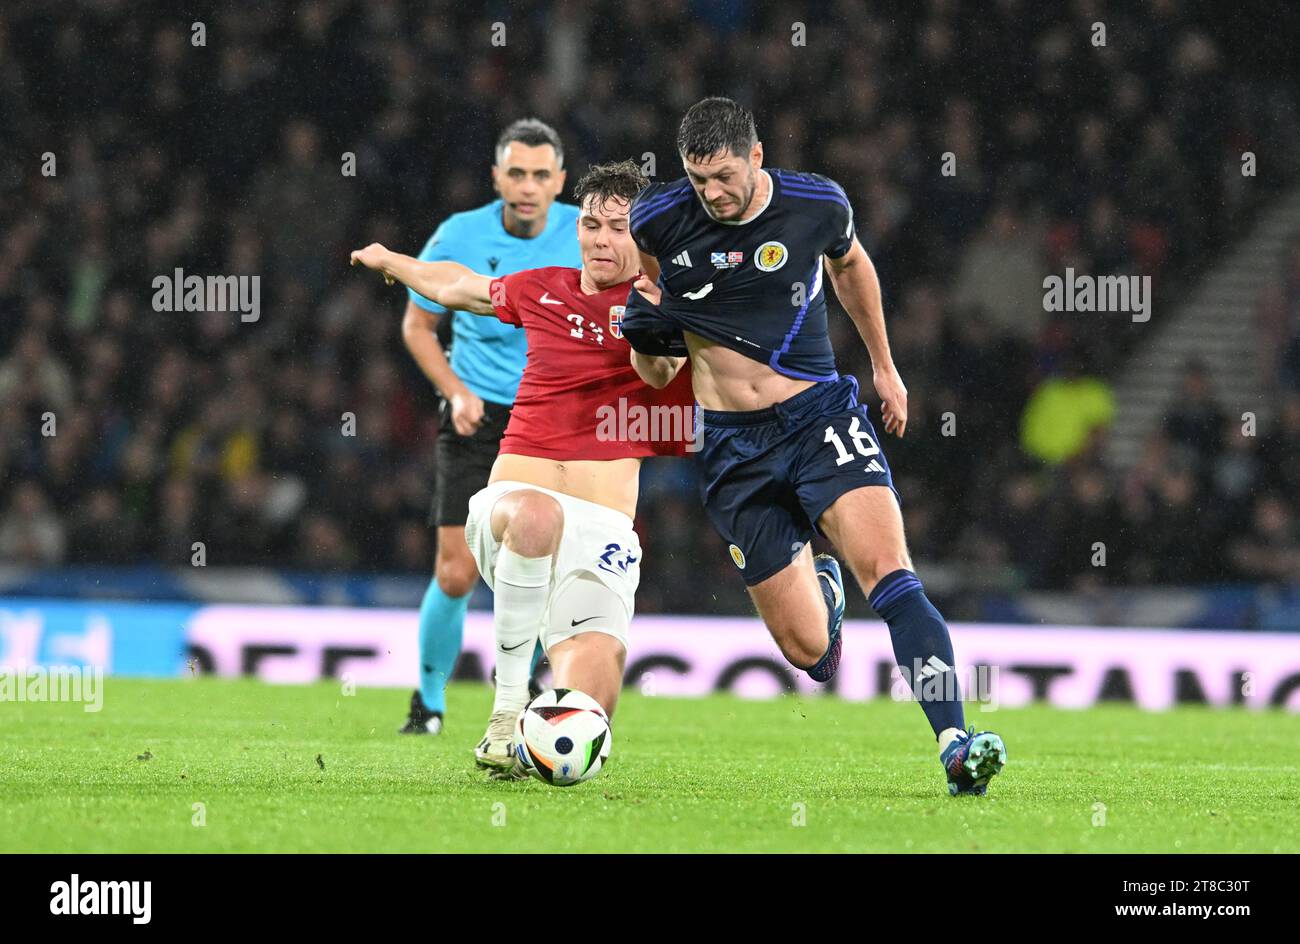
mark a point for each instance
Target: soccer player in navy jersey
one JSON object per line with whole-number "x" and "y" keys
{"x": 735, "y": 257}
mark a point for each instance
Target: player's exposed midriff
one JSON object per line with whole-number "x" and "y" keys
{"x": 724, "y": 379}
{"x": 614, "y": 483}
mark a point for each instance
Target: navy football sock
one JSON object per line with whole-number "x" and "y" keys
{"x": 922, "y": 647}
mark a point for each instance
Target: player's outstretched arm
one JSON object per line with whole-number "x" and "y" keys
{"x": 450, "y": 284}
{"x": 858, "y": 289}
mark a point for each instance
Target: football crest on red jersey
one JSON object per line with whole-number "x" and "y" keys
{"x": 616, "y": 320}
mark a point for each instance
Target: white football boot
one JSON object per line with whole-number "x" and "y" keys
{"x": 497, "y": 749}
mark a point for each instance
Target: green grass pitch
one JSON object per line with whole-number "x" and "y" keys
{"x": 718, "y": 774}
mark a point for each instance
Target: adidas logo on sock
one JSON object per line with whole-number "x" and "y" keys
{"x": 933, "y": 666}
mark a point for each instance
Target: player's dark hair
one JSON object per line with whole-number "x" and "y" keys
{"x": 714, "y": 124}
{"x": 616, "y": 179}
{"x": 533, "y": 132}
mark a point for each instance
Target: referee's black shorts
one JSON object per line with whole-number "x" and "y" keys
{"x": 464, "y": 462}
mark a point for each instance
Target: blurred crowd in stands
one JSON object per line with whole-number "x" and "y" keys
{"x": 127, "y": 435}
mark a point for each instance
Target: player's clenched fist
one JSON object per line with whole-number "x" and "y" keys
{"x": 373, "y": 257}
{"x": 649, "y": 291}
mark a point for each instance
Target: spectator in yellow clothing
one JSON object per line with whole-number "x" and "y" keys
{"x": 1063, "y": 414}
{"x": 219, "y": 443}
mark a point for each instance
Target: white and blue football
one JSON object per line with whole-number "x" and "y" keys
{"x": 563, "y": 737}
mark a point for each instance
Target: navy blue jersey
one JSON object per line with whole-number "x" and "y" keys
{"x": 755, "y": 287}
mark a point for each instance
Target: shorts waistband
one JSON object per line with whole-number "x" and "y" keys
{"x": 778, "y": 411}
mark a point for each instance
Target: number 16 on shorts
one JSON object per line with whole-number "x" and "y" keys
{"x": 863, "y": 444}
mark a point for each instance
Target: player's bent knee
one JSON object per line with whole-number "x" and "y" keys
{"x": 533, "y": 522}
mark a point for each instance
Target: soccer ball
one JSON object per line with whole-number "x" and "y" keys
{"x": 563, "y": 737}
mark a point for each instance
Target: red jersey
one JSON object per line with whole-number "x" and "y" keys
{"x": 580, "y": 397}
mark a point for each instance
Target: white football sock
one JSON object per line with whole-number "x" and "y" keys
{"x": 947, "y": 736}
{"x": 523, "y": 585}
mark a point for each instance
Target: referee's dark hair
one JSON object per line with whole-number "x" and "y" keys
{"x": 616, "y": 179}
{"x": 713, "y": 124}
{"x": 531, "y": 131}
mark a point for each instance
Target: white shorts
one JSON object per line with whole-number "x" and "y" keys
{"x": 597, "y": 567}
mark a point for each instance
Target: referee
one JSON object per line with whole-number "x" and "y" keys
{"x": 524, "y": 228}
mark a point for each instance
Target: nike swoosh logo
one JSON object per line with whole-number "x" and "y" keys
{"x": 697, "y": 295}
{"x": 511, "y": 648}
{"x": 581, "y": 621}
{"x": 547, "y": 300}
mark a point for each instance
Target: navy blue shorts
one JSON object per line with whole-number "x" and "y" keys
{"x": 767, "y": 475}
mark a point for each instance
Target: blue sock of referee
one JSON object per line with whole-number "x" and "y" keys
{"x": 922, "y": 648}
{"x": 442, "y": 631}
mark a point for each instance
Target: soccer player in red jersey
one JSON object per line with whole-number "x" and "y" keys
{"x": 552, "y": 532}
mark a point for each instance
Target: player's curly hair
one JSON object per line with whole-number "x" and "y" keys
{"x": 615, "y": 179}
{"x": 716, "y": 124}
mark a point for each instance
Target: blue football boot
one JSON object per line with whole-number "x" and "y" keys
{"x": 972, "y": 760}
{"x": 832, "y": 583}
